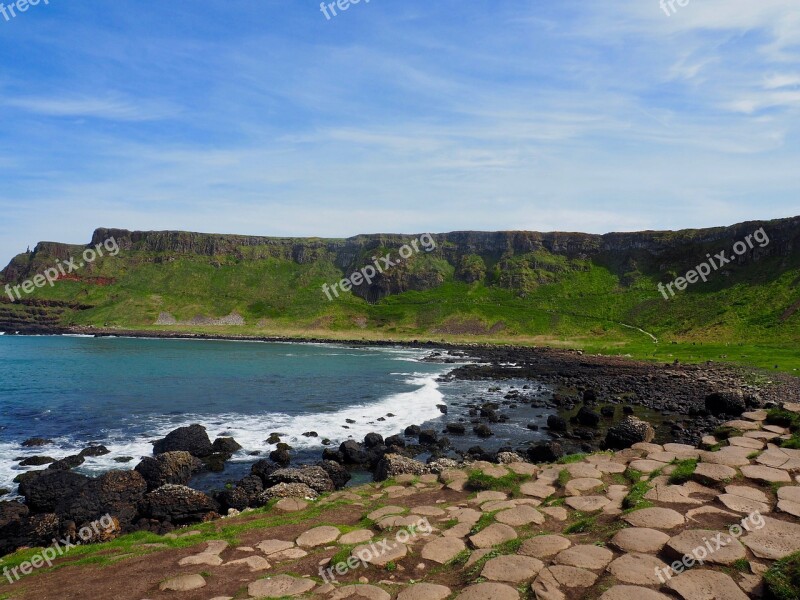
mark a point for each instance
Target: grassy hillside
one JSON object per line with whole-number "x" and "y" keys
{"x": 597, "y": 298}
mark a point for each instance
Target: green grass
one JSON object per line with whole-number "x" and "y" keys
{"x": 635, "y": 498}
{"x": 571, "y": 458}
{"x": 683, "y": 472}
{"x": 563, "y": 477}
{"x": 477, "y": 481}
{"x": 581, "y": 525}
{"x": 783, "y": 578}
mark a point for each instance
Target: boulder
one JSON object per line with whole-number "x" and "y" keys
{"x": 192, "y": 439}
{"x": 314, "y": 477}
{"x": 13, "y": 516}
{"x": 587, "y": 417}
{"x": 393, "y": 465}
{"x": 226, "y": 445}
{"x": 171, "y": 467}
{"x": 116, "y": 493}
{"x": 281, "y": 457}
{"x": 263, "y": 469}
{"x": 482, "y": 431}
{"x": 36, "y": 442}
{"x": 65, "y": 464}
{"x": 98, "y": 450}
{"x": 45, "y": 490}
{"x": 726, "y": 402}
{"x": 556, "y": 423}
{"x": 395, "y": 441}
{"x": 412, "y": 431}
{"x": 178, "y": 504}
{"x": 338, "y": 474}
{"x": 456, "y": 428}
{"x": 286, "y": 490}
{"x": 352, "y": 453}
{"x": 428, "y": 437}
{"x": 373, "y": 439}
{"x": 628, "y": 432}
{"x": 545, "y": 452}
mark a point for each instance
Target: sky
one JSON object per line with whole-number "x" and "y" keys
{"x": 265, "y": 117}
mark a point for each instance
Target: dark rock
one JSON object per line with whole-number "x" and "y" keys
{"x": 587, "y": 417}
{"x": 43, "y": 490}
{"x": 456, "y": 428}
{"x": 281, "y": 457}
{"x": 65, "y": 464}
{"x": 393, "y": 465}
{"x": 178, "y": 505}
{"x": 545, "y": 452}
{"x": 170, "y": 467}
{"x": 532, "y": 426}
{"x": 263, "y": 469}
{"x": 556, "y": 423}
{"x": 332, "y": 455}
{"x": 226, "y": 445}
{"x": 36, "y": 442}
{"x": 116, "y": 493}
{"x": 442, "y": 408}
{"x": 192, "y": 439}
{"x": 395, "y": 441}
{"x": 338, "y": 474}
{"x": 373, "y": 439}
{"x": 236, "y": 498}
{"x": 311, "y": 434}
{"x": 628, "y": 432}
{"x": 428, "y": 437}
{"x": 627, "y": 410}
{"x": 412, "y": 431}
{"x": 98, "y": 450}
{"x": 608, "y": 412}
{"x": 482, "y": 431}
{"x": 352, "y": 453}
{"x": 37, "y": 461}
{"x": 589, "y": 396}
{"x": 123, "y": 459}
{"x": 726, "y": 402}
{"x": 274, "y": 438}
{"x": 12, "y": 518}
{"x": 215, "y": 462}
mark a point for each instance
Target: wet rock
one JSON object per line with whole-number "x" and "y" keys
{"x": 192, "y": 439}
{"x": 482, "y": 431}
{"x": 352, "y": 453}
{"x": 395, "y": 441}
{"x": 456, "y": 428}
{"x": 412, "y": 431}
{"x": 428, "y": 437}
{"x": 263, "y": 468}
{"x": 36, "y": 442}
{"x": 170, "y": 467}
{"x": 587, "y": 417}
{"x": 281, "y": 457}
{"x": 556, "y": 423}
{"x": 226, "y": 445}
{"x": 92, "y": 451}
{"x": 373, "y": 439}
{"x": 116, "y": 493}
{"x": 44, "y": 490}
{"x": 37, "y": 461}
{"x": 65, "y": 464}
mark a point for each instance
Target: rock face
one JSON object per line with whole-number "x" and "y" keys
{"x": 726, "y": 402}
{"x": 393, "y": 465}
{"x": 170, "y": 467}
{"x": 192, "y": 439}
{"x": 44, "y": 491}
{"x": 116, "y": 493}
{"x": 338, "y": 474}
{"x": 178, "y": 505}
{"x": 629, "y": 432}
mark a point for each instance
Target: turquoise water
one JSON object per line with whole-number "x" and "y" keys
{"x": 125, "y": 393}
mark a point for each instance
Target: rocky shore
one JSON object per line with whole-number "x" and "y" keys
{"x": 623, "y": 525}
{"x": 597, "y": 404}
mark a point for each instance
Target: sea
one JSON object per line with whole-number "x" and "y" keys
{"x": 125, "y": 393}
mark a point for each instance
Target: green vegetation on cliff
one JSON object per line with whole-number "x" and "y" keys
{"x": 598, "y": 293}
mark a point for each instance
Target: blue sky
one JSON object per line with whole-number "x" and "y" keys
{"x": 262, "y": 117}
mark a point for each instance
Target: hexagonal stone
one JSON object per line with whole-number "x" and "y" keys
{"x": 378, "y": 514}
{"x": 583, "y": 470}
{"x": 587, "y": 503}
{"x": 632, "y": 592}
{"x": 496, "y": 505}
{"x": 253, "y": 563}
{"x": 461, "y": 530}
{"x": 318, "y": 536}
{"x": 559, "y": 513}
{"x": 424, "y": 591}
{"x": 467, "y": 515}
{"x": 789, "y": 500}
{"x": 703, "y": 584}
{"x": 585, "y": 556}
{"x": 537, "y": 489}
{"x": 429, "y": 511}
{"x": 717, "y": 473}
{"x": 494, "y": 534}
{"x": 280, "y": 586}
{"x": 637, "y": 568}
{"x": 544, "y": 546}
{"x": 367, "y": 592}
{"x": 655, "y": 518}
{"x": 272, "y": 546}
{"x": 686, "y": 542}
{"x": 774, "y": 540}
{"x": 565, "y": 576}
{"x": 576, "y": 487}
{"x": 521, "y": 468}
{"x": 290, "y": 505}
{"x": 443, "y": 549}
{"x": 489, "y": 495}
{"x": 519, "y": 516}
{"x": 290, "y": 554}
{"x": 732, "y": 456}
{"x": 640, "y": 539}
{"x": 183, "y": 583}
{"x": 747, "y": 492}
{"x": 513, "y": 569}
{"x": 744, "y": 442}
{"x": 672, "y": 494}
{"x": 742, "y": 504}
{"x": 489, "y": 591}
{"x": 646, "y": 466}
{"x": 766, "y": 474}
{"x": 380, "y": 554}
{"x": 359, "y": 536}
